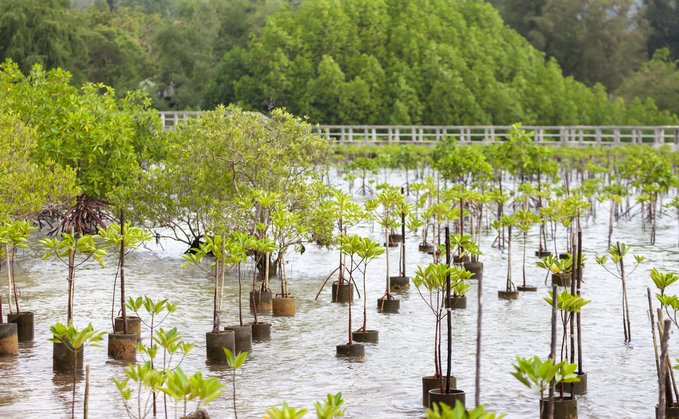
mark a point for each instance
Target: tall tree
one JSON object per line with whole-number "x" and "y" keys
{"x": 41, "y": 32}
{"x": 595, "y": 41}
{"x": 658, "y": 79}
{"x": 662, "y": 17}
{"x": 431, "y": 62}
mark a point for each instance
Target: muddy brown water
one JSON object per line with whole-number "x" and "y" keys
{"x": 298, "y": 364}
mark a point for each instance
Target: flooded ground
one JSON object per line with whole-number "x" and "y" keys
{"x": 298, "y": 364}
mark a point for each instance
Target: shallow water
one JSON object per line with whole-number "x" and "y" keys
{"x": 298, "y": 364}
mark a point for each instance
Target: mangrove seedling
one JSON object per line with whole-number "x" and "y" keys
{"x": 361, "y": 251}
{"x": 286, "y": 412}
{"x": 216, "y": 246}
{"x": 617, "y": 253}
{"x": 331, "y": 407}
{"x": 183, "y": 388}
{"x": 525, "y": 220}
{"x": 567, "y": 305}
{"x": 507, "y": 221}
{"x": 443, "y": 411}
{"x": 13, "y": 236}
{"x": 124, "y": 238}
{"x": 388, "y": 201}
{"x": 66, "y": 250}
{"x": 434, "y": 279}
{"x": 235, "y": 363}
{"x": 75, "y": 340}
{"x": 538, "y": 375}
{"x": 148, "y": 380}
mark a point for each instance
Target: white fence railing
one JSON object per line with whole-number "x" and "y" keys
{"x": 430, "y": 135}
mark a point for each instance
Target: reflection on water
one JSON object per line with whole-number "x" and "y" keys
{"x": 298, "y": 364}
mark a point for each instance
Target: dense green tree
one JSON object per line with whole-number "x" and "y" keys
{"x": 595, "y": 41}
{"x": 104, "y": 140}
{"x": 119, "y": 50}
{"x": 41, "y": 32}
{"x": 662, "y": 17}
{"x": 28, "y": 187}
{"x": 658, "y": 79}
{"x": 404, "y": 62}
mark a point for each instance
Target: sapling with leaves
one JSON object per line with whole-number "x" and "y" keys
{"x": 172, "y": 346}
{"x": 542, "y": 376}
{"x": 558, "y": 266}
{"x": 217, "y": 246}
{"x": 124, "y": 239}
{"x": 150, "y": 320}
{"x": 361, "y": 251}
{"x": 568, "y": 305}
{"x": 434, "y": 279}
{"x": 443, "y": 411}
{"x": 153, "y": 310}
{"x": 66, "y": 251}
{"x": 261, "y": 249}
{"x": 13, "y": 236}
{"x": 385, "y": 210}
{"x": 617, "y": 253}
{"x": 525, "y": 220}
{"x": 183, "y": 388}
{"x": 235, "y": 363}
{"x": 347, "y": 214}
{"x": 507, "y": 221}
{"x": 75, "y": 340}
{"x": 612, "y": 194}
{"x": 287, "y": 229}
{"x": 662, "y": 281}
{"x": 240, "y": 244}
{"x": 330, "y": 408}
{"x": 148, "y": 380}
{"x": 674, "y": 204}
{"x": 409, "y": 224}
{"x": 425, "y": 193}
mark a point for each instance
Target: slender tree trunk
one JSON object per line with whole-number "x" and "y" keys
{"x": 477, "y": 383}
{"x": 552, "y": 355}
{"x": 449, "y": 320}
{"x": 9, "y": 279}
{"x": 71, "y": 273}
{"x": 628, "y": 331}
{"x": 122, "y": 270}
{"x": 235, "y": 413}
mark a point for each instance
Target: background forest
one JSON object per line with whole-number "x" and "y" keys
{"x": 368, "y": 61}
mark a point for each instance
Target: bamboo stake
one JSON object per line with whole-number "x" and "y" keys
{"x": 477, "y": 395}
{"x": 87, "y": 390}
{"x": 579, "y": 279}
{"x": 552, "y": 354}
{"x": 655, "y": 343}
{"x": 663, "y": 370}
{"x": 449, "y": 320}
{"x": 671, "y": 378}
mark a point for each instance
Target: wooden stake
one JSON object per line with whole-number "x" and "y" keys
{"x": 552, "y": 354}
{"x": 87, "y": 389}
{"x": 655, "y": 343}
{"x": 663, "y": 369}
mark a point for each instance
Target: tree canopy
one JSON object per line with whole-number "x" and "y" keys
{"x": 103, "y": 140}
{"x": 407, "y": 62}
{"x": 592, "y": 40}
